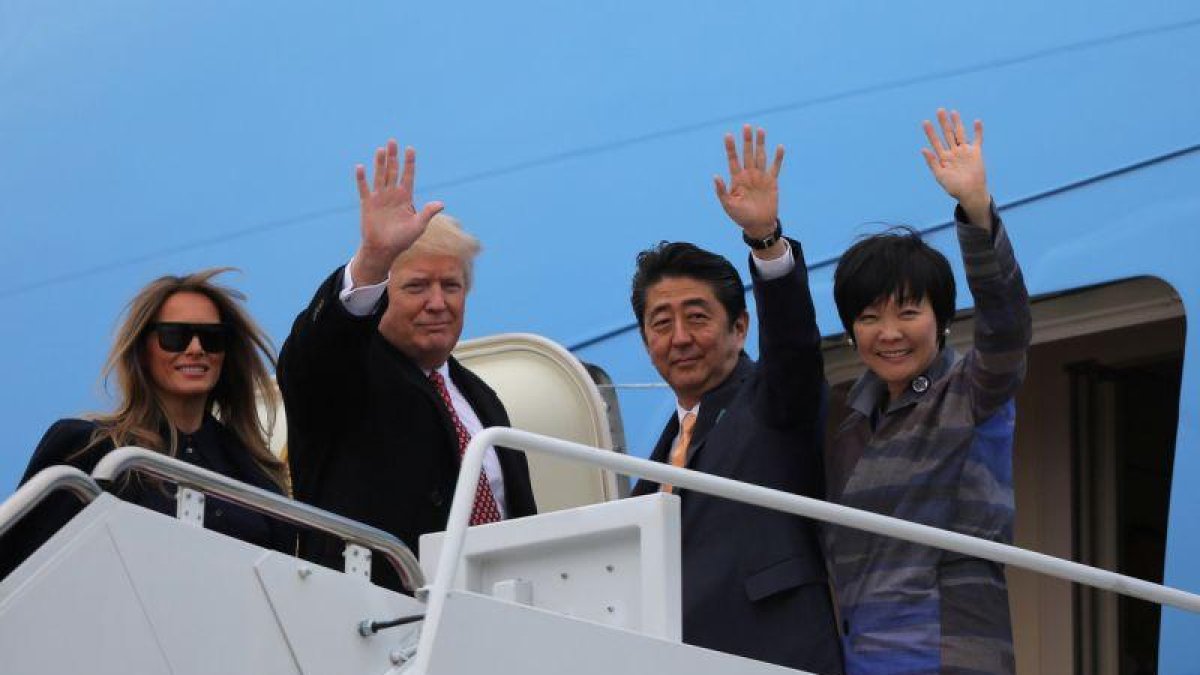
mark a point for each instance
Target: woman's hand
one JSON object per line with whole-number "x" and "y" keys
{"x": 957, "y": 163}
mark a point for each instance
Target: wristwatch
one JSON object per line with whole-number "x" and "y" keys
{"x": 760, "y": 244}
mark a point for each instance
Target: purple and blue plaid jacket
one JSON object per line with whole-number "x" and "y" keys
{"x": 941, "y": 455}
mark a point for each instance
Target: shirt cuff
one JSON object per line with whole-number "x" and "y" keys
{"x": 360, "y": 301}
{"x": 779, "y": 267}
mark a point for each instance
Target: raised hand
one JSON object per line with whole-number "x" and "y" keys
{"x": 752, "y": 198}
{"x": 957, "y": 163}
{"x": 389, "y": 221}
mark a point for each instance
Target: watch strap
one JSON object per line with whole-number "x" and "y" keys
{"x": 768, "y": 242}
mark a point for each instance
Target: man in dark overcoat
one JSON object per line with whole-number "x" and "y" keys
{"x": 754, "y": 581}
{"x": 378, "y": 411}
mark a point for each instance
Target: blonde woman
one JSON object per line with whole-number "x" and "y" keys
{"x": 186, "y": 353}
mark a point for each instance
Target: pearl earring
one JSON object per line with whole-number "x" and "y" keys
{"x": 850, "y": 341}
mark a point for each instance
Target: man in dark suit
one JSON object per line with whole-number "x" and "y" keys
{"x": 754, "y": 580}
{"x": 378, "y": 411}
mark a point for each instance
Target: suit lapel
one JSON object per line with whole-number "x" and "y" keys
{"x": 713, "y": 406}
{"x": 417, "y": 380}
{"x": 661, "y": 452}
{"x": 471, "y": 388}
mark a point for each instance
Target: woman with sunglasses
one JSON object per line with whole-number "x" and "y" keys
{"x": 186, "y": 352}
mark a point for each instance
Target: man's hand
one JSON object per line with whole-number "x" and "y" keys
{"x": 389, "y": 221}
{"x": 957, "y": 164}
{"x": 752, "y": 199}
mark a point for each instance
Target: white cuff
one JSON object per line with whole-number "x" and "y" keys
{"x": 360, "y": 301}
{"x": 773, "y": 269}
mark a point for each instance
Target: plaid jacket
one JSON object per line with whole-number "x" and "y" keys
{"x": 940, "y": 455}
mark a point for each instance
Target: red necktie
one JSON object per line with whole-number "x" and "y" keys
{"x": 484, "y": 510}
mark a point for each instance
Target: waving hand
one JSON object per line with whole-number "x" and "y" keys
{"x": 390, "y": 222}
{"x": 957, "y": 163}
{"x": 752, "y": 197}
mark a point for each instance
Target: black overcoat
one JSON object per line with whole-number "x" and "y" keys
{"x": 62, "y": 444}
{"x": 368, "y": 436}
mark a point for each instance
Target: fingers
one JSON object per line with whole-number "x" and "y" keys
{"x": 960, "y": 133}
{"x": 380, "y": 168}
{"x": 393, "y": 164}
{"x": 979, "y": 133}
{"x": 360, "y": 178}
{"x": 731, "y": 155}
{"x": 760, "y": 150}
{"x": 754, "y": 152}
{"x": 747, "y": 147}
{"x": 719, "y": 184}
{"x": 931, "y": 159}
{"x": 934, "y": 141}
{"x": 410, "y": 170}
{"x": 428, "y": 212}
{"x": 947, "y": 128}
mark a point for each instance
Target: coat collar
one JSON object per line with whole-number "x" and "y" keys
{"x": 714, "y": 402}
{"x": 869, "y": 392}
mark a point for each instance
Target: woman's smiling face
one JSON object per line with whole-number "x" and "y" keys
{"x": 192, "y": 372}
{"x": 897, "y": 340}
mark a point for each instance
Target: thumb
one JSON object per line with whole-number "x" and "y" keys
{"x": 429, "y": 211}
{"x": 719, "y": 184}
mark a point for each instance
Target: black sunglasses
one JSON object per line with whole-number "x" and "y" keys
{"x": 175, "y": 337}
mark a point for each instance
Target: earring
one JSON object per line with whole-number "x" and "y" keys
{"x": 946, "y": 332}
{"x": 850, "y": 341}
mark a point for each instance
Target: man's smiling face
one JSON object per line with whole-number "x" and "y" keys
{"x": 689, "y": 336}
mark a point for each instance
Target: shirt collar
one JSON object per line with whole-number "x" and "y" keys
{"x": 680, "y": 411}
{"x": 443, "y": 369}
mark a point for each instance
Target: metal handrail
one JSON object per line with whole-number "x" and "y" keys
{"x": 40, "y": 486}
{"x": 468, "y": 476}
{"x": 122, "y": 460}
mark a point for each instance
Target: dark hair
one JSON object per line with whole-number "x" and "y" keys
{"x": 245, "y": 378}
{"x": 681, "y": 259}
{"x": 897, "y": 264}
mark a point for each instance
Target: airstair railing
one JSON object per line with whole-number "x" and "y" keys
{"x": 460, "y": 510}
{"x": 124, "y": 460}
{"x": 43, "y": 484}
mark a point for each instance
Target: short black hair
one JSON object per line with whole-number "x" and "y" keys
{"x": 681, "y": 259}
{"x": 899, "y": 264}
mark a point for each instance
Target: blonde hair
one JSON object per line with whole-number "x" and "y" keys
{"x": 444, "y": 236}
{"x": 140, "y": 416}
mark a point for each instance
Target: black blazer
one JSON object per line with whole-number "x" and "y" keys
{"x": 754, "y": 581}
{"x": 66, "y": 437}
{"x": 368, "y": 436}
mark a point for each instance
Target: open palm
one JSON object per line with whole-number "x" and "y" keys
{"x": 752, "y": 197}
{"x": 955, "y": 160}
{"x": 390, "y": 222}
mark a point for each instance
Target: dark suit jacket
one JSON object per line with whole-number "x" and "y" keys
{"x": 368, "y": 436}
{"x": 754, "y": 580}
{"x": 61, "y": 445}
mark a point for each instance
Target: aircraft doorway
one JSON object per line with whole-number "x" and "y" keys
{"x": 1123, "y": 447}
